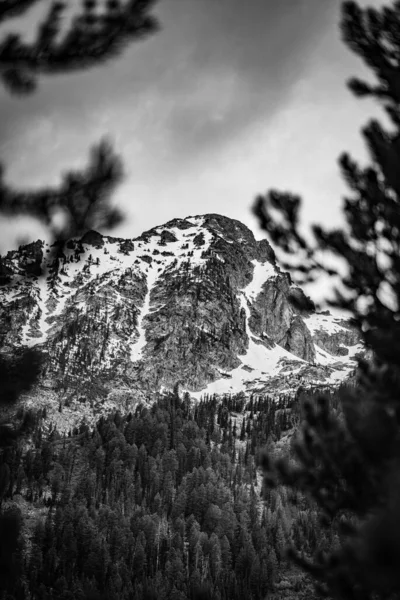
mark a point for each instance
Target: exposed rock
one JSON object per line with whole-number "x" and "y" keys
{"x": 301, "y": 303}
{"x": 273, "y": 314}
{"x": 27, "y": 259}
{"x": 93, "y": 238}
{"x": 167, "y": 237}
{"x": 146, "y": 259}
{"x": 212, "y": 310}
{"x": 5, "y": 273}
{"x": 299, "y": 341}
{"x": 126, "y": 246}
{"x": 181, "y": 224}
{"x": 199, "y": 240}
{"x": 265, "y": 252}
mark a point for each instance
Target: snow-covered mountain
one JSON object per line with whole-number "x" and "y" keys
{"x": 197, "y": 301}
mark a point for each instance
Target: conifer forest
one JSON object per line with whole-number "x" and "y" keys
{"x": 162, "y": 503}
{"x": 179, "y": 419}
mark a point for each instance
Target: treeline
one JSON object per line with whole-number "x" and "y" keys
{"x": 164, "y": 503}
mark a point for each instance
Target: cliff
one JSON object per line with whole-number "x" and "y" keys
{"x": 197, "y": 300}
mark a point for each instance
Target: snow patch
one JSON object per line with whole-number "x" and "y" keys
{"x": 328, "y": 323}
{"x": 262, "y": 272}
{"x": 137, "y": 348}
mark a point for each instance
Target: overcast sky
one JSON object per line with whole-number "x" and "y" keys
{"x": 230, "y": 99}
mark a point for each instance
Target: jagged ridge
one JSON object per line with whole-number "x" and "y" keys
{"x": 197, "y": 300}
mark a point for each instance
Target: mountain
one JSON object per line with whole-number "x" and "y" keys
{"x": 196, "y": 302}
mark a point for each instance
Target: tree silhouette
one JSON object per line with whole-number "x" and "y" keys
{"x": 100, "y": 31}
{"x": 350, "y": 465}
{"x": 94, "y": 36}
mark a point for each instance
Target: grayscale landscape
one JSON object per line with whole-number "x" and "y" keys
{"x": 199, "y": 311}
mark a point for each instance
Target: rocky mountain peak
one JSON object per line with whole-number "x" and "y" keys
{"x": 196, "y": 300}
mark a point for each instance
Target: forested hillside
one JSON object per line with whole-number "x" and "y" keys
{"x": 163, "y": 503}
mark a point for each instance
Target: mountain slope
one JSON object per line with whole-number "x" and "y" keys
{"x": 197, "y": 301}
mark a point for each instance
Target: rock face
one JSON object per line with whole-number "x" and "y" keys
{"x": 197, "y": 300}
{"x": 273, "y": 313}
{"x": 334, "y": 336}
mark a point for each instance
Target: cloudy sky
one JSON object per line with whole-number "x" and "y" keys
{"x": 230, "y": 99}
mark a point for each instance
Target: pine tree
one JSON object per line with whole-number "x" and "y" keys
{"x": 98, "y": 33}
{"x": 350, "y": 465}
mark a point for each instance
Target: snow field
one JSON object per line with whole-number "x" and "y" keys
{"x": 112, "y": 263}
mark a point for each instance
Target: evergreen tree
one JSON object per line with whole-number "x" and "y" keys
{"x": 350, "y": 465}
{"x": 99, "y": 32}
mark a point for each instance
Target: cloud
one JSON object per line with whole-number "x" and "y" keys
{"x": 240, "y": 60}
{"x": 214, "y": 67}
{"x": 206, "y": 113}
